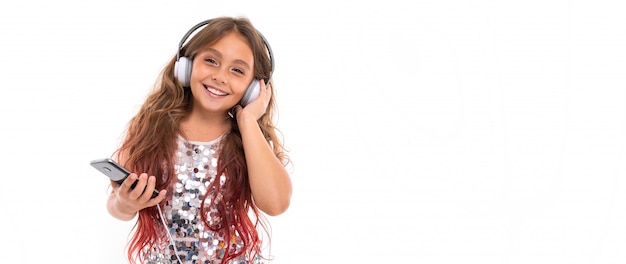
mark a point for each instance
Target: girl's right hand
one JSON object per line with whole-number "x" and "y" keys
{"x": 130, "y": 201}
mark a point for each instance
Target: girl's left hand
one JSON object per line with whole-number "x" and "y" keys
{"x": 255, "y": 109}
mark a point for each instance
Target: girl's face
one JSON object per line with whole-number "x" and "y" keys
{"x": 221, "y": 72}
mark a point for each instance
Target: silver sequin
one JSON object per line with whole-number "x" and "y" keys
{"x": 195, "y": 169}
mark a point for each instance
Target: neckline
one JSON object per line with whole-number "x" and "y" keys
{"x": 195, "y": 142}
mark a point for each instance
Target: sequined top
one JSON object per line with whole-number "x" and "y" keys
{"x": 196, "y": 169}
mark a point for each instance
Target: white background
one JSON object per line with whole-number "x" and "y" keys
{"x": 421, "y": 131}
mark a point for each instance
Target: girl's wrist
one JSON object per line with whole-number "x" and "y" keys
{"x": 245, "y": 121}
{"x": 122, "y": 209}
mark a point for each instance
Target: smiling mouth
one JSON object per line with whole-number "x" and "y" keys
{"x": 215, "y": 91}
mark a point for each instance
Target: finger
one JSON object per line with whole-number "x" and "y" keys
{"x": 128, "y": 183}
{"x": 268, "y": 89}
{"x": 237, "y": 109}
{"x": 140, "y": 185}
{"x": 263, "y": 90}
{"x": 149, "y": 190}
{"x": 157, "y": 199}
{"x": 268, "y": 93}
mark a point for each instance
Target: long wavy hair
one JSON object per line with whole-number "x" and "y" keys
{"x": 150, "y": 144}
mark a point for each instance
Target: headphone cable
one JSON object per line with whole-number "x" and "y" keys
{"x": 169, "y": 234}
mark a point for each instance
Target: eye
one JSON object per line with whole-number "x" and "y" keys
{"x": 211, "y": 61}
{"x": 238, "y": 70}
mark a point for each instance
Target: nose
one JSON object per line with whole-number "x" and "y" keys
{"x": 220, "y": 80}
{"x": 218, "y": 76}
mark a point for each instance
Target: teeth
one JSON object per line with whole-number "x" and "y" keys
{"x": 215, "y": 91}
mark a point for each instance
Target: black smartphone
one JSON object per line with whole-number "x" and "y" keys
{"x": 115, "y": 172}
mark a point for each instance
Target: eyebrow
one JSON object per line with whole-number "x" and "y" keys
{"x": 219, "y": 54}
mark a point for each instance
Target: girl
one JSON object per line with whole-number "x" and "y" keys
{"x": 218, "y": 165}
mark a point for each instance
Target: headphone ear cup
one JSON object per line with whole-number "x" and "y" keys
{"x": 252, "y": 92}
{"x": 182, "y": 71}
